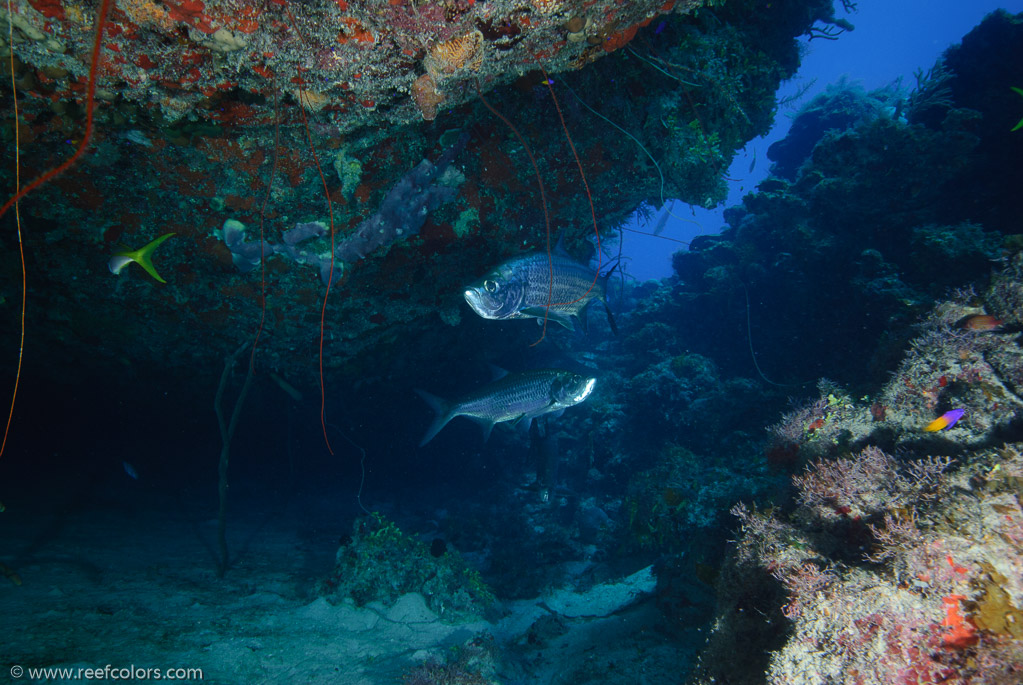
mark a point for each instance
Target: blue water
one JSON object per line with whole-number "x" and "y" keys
{"x": 891, "y": 43}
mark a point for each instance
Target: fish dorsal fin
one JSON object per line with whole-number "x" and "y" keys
{"x": 611, "y": 319}
{"x": 603, "y": 279}
{"x": 496, "y": 372}
{"x": 606, "y": 276}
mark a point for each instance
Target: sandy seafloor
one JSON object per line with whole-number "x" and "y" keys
{"x": 129, "y": 579}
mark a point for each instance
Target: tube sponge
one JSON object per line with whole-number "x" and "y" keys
{"x": 406, "y": 206}
{"x": 401, "y": 214}
{"x": 246, "y": 256}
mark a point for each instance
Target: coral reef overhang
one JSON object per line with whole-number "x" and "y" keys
{"x": 198, "y": 101}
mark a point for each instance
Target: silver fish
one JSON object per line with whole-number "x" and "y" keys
{"x": 524, "y": 395}
{"x": 521, "y": 287}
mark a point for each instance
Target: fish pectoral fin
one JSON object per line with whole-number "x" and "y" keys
{"x": 556, "y": 317}
{"x": 523, "y": 422}
{"x": 488, "y": 427}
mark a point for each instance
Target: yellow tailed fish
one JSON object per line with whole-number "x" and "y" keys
{"x": 142, "y": 257}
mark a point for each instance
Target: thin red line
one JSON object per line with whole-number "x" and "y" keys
{"x": 586, "y": 185}
{"x": 101, "y": 20}
{"x": 20, "y": 193}
{"x": 543, "y": 201}
{"x": 21, "y": 340}
{"x": 21, "y": 249}
{"x": 262, "y": 242}
{"x": 330, "y": 209}
{"x": 330, "y": 277}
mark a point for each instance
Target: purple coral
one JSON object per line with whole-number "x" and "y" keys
{"x": 858, "y": 485}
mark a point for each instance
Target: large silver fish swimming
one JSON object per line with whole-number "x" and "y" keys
{"x": 521, "y": 287}
{"x": 524, "y": 395}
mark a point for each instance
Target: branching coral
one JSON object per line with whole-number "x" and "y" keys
{"x": 896, "y": 569}
{"x": 931, "y": 604}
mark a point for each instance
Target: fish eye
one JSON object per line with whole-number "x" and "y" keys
{"x": 490, "y": 286}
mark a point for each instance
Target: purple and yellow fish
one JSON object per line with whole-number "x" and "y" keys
{"x": 945, "y": 421}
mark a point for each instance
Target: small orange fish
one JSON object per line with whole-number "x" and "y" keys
{"x": 979, "y": 322}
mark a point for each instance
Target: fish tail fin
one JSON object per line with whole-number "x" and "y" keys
{"x": 603, "y": 279}
{"x": 143, "y": 256}
{"x": 443, "y": 412}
